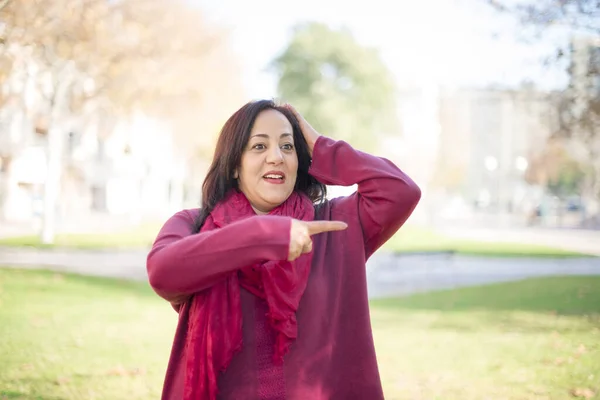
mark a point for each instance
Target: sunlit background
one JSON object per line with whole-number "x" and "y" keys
{"x": 109, "y": 111}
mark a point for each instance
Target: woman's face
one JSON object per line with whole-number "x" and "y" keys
{"x": 269, "y": 165}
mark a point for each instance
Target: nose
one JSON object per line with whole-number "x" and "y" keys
{"x": 275, "y": 156}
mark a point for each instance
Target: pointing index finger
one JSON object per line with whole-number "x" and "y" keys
{"x": 315, "y": 227}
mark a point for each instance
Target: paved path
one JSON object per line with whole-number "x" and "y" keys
{"x": 127, "y": 264}
{"x": 578, "y": 240}
{"x": 388, "y": 275}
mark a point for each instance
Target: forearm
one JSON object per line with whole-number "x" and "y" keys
{"x": 386, "y": 195}
{"x": 181, "y": 263}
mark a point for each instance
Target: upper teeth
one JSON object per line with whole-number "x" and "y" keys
{"x": 274, "y": 176}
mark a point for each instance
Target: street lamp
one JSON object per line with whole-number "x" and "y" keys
{"x": 491, "y": 163}
{"x": 521, "y": 163}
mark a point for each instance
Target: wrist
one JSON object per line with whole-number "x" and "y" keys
{"x": 312, "y": 141}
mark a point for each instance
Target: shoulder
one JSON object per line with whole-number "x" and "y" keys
{"x": 188, "y": 215}
{"x": 191, "y": 213}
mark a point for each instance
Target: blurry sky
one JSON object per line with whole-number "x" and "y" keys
{"x": 451, "y": 42}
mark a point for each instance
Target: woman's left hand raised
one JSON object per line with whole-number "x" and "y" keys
{"x": 309, "y": 133}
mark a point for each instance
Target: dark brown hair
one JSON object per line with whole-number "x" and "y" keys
{"x": 228, "y": 154}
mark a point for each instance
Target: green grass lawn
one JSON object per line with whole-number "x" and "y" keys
{"x": 141, "y": 236}
{"x": 408, "y": 239}
{"x": 69, "y": 337}
{"x": 417, "y": 239}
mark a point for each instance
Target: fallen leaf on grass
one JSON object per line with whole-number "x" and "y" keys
{"x": 38, "y": 322}
{"x": 27, "y": 367}
{"x": 121, "y": 371}
{"x": 583, "y": 392}
{"x": 538, "y": 390}
{"x": 581, "y": 349}
{"x": 583, "y": 291}
{"x": 118, "y": 371}
{"x": 78, "y": 342}
{"x": 62, "y": 380}
{"x": 137, "y": 371}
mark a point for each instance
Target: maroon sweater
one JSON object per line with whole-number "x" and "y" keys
{"x": 333, "y": 356}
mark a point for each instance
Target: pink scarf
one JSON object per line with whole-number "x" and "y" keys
{"x": 215, "y": 329}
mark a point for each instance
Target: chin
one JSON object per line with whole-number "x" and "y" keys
{"x": 276, "y": 199}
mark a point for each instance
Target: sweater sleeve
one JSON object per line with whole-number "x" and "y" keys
{"x": 385, "y": 198}
{"x": 181, "y": 263}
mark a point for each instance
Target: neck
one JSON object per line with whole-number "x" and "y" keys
{"x": 259, "y": 212}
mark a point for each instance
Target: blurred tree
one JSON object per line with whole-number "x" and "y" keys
{"x": 582, "y": 15}
{"x": 342, "y": 88}
{"x": 554, "y": 168}
{"x": 579, "y": 106}
{"x": 109, "y": 58}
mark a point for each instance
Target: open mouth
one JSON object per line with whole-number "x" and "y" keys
{"x": 274, "y": 177}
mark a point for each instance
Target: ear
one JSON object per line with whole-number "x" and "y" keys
{"x": 235, "y": 174}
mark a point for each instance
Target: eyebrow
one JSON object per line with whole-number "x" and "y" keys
{"x": 263, "y": 135}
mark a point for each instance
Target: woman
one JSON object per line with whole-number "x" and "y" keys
{"x": 268, "y": 277}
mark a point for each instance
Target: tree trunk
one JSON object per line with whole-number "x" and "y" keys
{"x": 5, "y": 186}
{"x": 52, "y": 184}
{"x": 63, "y": 76}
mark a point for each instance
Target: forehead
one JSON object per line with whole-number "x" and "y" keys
{"x": 271, "y": 122}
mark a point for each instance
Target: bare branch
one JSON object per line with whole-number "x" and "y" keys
{"x": 579, "y": 106}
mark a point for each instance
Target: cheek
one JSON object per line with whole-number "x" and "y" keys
{"x": 294, "y": 162}
{"x": 248, "y": 166}
{"x": 294, "y": 166}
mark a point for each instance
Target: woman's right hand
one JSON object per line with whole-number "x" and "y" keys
{"x": 301, "y": 232}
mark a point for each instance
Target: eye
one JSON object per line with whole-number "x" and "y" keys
{"x": 288, "y": 146}
{"x": 259, "y": 146}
